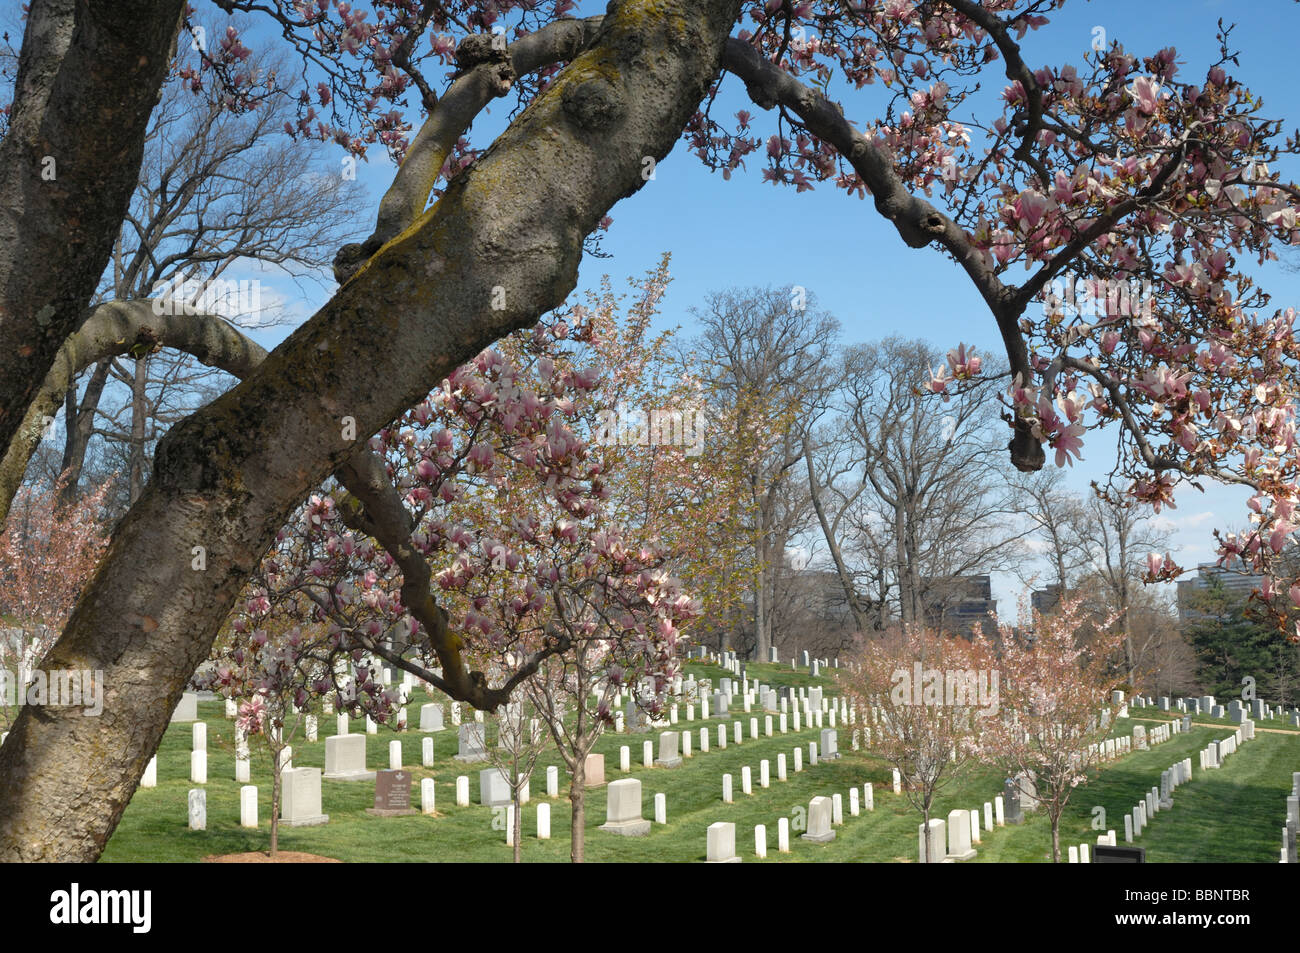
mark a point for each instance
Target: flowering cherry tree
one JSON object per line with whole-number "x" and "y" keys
{"x": 1127, "y": 167}
{"x": 923, "y": 727}
{"x": 1056, "y": 684}
{"x": 47, "y": 552}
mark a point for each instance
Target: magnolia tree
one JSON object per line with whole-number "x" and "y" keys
{"x": 932, "y": 696}
{"x": 1122, "y": 168}
{"x": 1056, "y": 684}
{"x": 575, "y": 696}
{"x": 546, "y": 548}
{"x": 279, "y": 671}
{"x": 521, "y": 739}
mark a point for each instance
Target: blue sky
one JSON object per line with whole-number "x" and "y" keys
{"x": 743, "y": 232}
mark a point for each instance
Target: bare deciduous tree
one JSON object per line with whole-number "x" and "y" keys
{"x": 926, "y": 497}
{"x": 766, "y": 353}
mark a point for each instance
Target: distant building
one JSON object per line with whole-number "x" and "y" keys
{"x": 1236, "y": 583}
{"x": 958, "y": 603}
{"x": 1045, "y": 600}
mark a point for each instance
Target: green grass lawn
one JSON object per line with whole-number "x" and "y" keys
{"x": 1230, "y": 814}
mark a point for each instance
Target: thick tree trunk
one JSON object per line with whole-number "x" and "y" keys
{"x": 88, "y": 78}
{"x": 906, "y": 594}
{"x": 226, "y": 479}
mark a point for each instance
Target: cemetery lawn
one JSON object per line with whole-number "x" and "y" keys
{"x": 1232, "y": 814}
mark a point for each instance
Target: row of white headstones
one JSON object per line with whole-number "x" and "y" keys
{"x": 301, "y": 787}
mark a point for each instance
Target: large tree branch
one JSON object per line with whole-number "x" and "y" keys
{"x": 489, "y": 72}
{"x": 508, "y": 231}
{"x": 111, "y": 329}
{"x": 918, "y": 222}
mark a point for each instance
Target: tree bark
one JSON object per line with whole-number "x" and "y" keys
{"x": 516, "y": 825}
{"x": 276, "y": 794}
{"x": 88, "y": 78}
{"x": 511, "y": 227}
{"x": 578, "y": 812}
{"x": 139, "y": 417}
{"x": 80, "y": 424}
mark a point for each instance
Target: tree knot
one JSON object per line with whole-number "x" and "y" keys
{"x": 593, "y": 102}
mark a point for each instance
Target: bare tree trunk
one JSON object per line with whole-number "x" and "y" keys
{"x": 275, "y": 802}
{"x": 846, "y": 582}
{"x": 578, "y": 811}
{"x": 517, "y": 824}
{"x": 761, "y": 609}
{"x": 925, "y": 839}
{"x": 139, "y": 417}
{"x": 906, "y": 605}
{"x": 79, "y": 421}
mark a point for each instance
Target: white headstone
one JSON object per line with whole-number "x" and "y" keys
{"x": 428, "y": 794}
{"x": 722, "y": 843}
{"x": 623, "y": 809}
{"x": 669, "y": 755}
{"x": 931, "y": 842}
{"x": 300, "y": 803}
{"x": 819, "y": 820}
{"x": 345, "y": 759}
{"x": 197, "y": 808}
{"x": 187, "y": 709}
{"x": 248, "y": 806}
{"x": 494, "y": 787}
{"x": 150, "y": 777}
{"x": 959, "y": 838}
{"x": 431, "y": 718}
